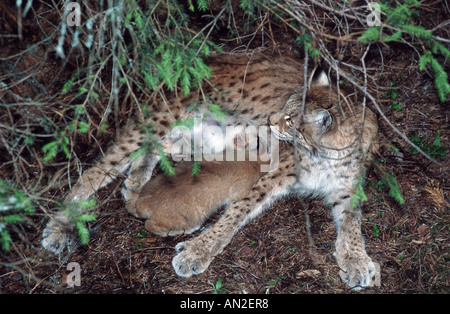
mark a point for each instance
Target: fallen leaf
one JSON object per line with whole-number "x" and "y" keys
{"x": 145, "y": 240}
{"x": 308, "y": 273}
{"x": 422, "y": 230}
{"x": 245, "y": 251}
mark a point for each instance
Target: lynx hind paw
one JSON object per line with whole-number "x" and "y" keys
{"x": 358, "y": 273}
{"x": 189, "y": 261}
{"x": 57, "y": 236}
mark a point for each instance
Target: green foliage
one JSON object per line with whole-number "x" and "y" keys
{"x": 394, "y": 37}
{"x": 166, "y": 164}
{"x": 440, "y": 76}
{"x": 218, "y": 287}
{"x": 140, "y": 235}
{"x": 67, "y": 87}
{"x": 419, "y": 31}
{"x": 306, "y": 40}
{"x": 388, "y": 181}
{"x": 250, "y": 8}
{"x": 372, "y": 34}
{"x": 61, "y": 141}
{"x": 162, "y": 50}
{"x": 394, "y": 188}
{"x": 188, "y": 123}
{"x": 359, "y": 196}
{"x": 80, "y": 218}
{"x": 196, "y": 166}
{"x": 170, "y": 53}
{"x": 276, "y": 281}
{"x": 203, "y": 5}
{"x": 169, "y": 63}
{"x": 248, "y": 5}
{"x": 401, "y": 13}
{"x": 376, "y": 230}
{"x": 149, "y": 143}
{"x": 434, "y": 150}
{"x": 398, "y": 25}
{"x": 80, "y": 224}
{"x": 217, "y": 112}
{"x": 14, "y": 206}
{"x": 393, "y": 93}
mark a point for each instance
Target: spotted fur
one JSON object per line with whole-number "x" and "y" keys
{"x": 323, "y": 153}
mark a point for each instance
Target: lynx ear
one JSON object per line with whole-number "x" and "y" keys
{"x": 324, "y": 119}
{"x": 322, "y": 80}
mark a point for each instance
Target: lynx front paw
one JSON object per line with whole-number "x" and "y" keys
{"x": 357, "y": 272}
{"x": 58, "y": 235}
{"x": 191, "y": 259}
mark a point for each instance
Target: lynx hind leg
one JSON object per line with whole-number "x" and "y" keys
{"x": 59, "y": 230}
{"x": 58, "y": 234}
{"x": 194, "y": 256}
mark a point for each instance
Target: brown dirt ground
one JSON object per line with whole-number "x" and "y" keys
{"x": 271, "y": 253}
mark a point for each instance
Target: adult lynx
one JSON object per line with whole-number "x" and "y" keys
{"x": 323, "y": 153}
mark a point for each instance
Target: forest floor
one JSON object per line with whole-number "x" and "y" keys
{"x": 271, "y": 253}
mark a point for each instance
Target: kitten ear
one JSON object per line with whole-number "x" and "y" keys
{"x": 321, "y": 80}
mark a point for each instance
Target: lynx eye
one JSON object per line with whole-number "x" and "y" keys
{"x": 289, "y": 121}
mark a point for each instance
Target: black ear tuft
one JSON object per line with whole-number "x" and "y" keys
{"x": 321, "y": 80}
